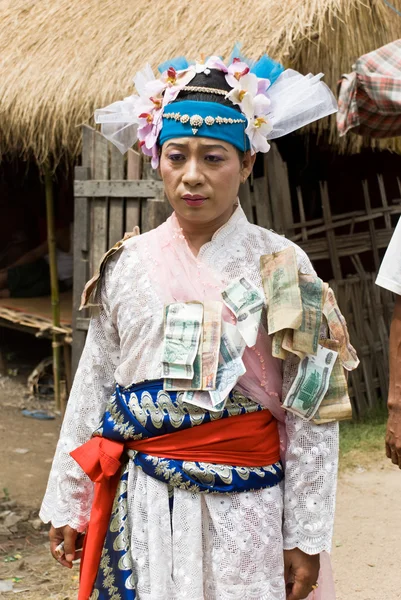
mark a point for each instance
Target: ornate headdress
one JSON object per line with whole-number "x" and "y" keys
{"x": 265, "y": 102}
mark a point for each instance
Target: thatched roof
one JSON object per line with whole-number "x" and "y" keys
{"x": 61, "y": 59}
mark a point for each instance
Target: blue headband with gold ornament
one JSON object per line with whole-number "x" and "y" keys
{"x": 188, "y": 118}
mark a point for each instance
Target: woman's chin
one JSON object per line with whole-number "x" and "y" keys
{"x": 201, "y": 212}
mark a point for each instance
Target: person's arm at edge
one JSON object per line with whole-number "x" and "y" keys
{"x": 31, "y": 256}
{"x": 393, "y": 433}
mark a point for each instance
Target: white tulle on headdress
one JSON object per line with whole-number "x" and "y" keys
{"x": 296, "y": 101}
{"x": 119, "y": 123}
{"x": 274, "y": 101}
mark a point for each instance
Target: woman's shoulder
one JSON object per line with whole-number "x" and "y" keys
{"x": 269, "y": 241}
{"x": 119, "y": 259}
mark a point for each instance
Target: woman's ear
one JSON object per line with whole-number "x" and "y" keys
{"x": 248, "y": 161}
{"x": 160, "y": 157}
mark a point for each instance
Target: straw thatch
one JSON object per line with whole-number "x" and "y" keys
{"x": 62, "y": 59}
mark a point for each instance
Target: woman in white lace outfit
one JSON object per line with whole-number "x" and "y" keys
{"x": 192, "y": 499}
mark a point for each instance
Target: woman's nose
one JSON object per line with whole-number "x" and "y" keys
{"x": 193, "y": 174}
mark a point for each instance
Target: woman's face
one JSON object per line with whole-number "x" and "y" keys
{"x": 201, "y": 177}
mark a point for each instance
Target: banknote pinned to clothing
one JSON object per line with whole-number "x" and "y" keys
{"x": 336, "y": 404}
{"x": 339, "y": 332}
{"x": 301, "y": 310}
{"x": 206, "y": 346}
{"x": 279, "y": 272}
{"x": 311, "y": 383}
{"x": 306, "y": 337}
{"x": 182, "y": 335}
{"x": 202, "y": 353}
{"x": 230, "y": 369}
{"x": 246, "y": 302}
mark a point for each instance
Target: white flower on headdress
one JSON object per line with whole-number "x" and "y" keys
{"x": 257, "y": 131}
{"x": 243, "y": 93}
{"x": 175, "y": 81}
{"x": 236, "y": 71}
{"x": 154, "y": 95}
{"x": 255, "y": 105}
{"x": 215, "y": 62}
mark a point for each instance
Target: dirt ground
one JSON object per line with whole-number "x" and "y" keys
{"x": 366, "y": 545}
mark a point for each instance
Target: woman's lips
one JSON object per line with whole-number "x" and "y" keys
{"x": 194, "y": 200}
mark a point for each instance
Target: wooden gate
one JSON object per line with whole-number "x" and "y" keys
{"x": 111, "y": 197}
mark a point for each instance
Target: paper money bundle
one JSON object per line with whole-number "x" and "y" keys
{"x": 191, "y": 346}
{"x": 298, "y": 306}
{"x": 202, "y": 354}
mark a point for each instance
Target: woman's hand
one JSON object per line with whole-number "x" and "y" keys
{"x": 301, "y": 572}
{"x": 69, "y": 536}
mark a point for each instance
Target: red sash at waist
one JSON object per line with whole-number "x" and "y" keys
{"x": 249, "y": 440}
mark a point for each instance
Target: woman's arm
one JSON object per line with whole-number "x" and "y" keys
{"x": 69, "y": 491}
{"x": 309, "y": 495}
{"x": 32, "y": 255}
{"x": 310, "y": 485}
{"x": 393, "y": 434}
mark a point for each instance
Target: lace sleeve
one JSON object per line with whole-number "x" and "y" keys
{"x": 69, "y": 491}
{"x": 310, "y": 485}
{"x": 310, "y": 478}
{"x": 311, "y": 468}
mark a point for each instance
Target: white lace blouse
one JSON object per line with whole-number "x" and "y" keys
{"x": 124, "y": 345}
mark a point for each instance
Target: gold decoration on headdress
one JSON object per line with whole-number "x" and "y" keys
{"x": 205, "y": 90}
{"x": 196, "y": 121}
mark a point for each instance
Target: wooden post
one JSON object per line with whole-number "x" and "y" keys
{"x": 133, "y": 205}
{"x": 279, "y": 191}
{"x": 81, "y": 267}
{"x": 55, "y": 298}
{"x": 154, "y": 210}
{"x": 331, "y": 237}
{"x": 383, "y": 196}
{"x": 99, "y": 206}
{"x": 262, "y": 202}
{"x": 372, "y": 232}
{"x": 116, "y": 208}
{"x": 67, "y": 366}
{"x": 244, "y": 194}
{"x": 304, "y": 231}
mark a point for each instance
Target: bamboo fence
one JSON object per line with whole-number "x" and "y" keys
{"x": 332, "y": 242}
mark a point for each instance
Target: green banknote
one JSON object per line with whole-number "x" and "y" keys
{"x": 336, "y": 405}
{"x": 182, "y": 335}
{"x": 277, "y": 345}
{"x": 246, "y": 302}
{"x": 306, "y": 337}
{"x": 311, "y": 383}
{"x": 207, "y": 357}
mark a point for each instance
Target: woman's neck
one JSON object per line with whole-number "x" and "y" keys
{"x": 199, "y": 234}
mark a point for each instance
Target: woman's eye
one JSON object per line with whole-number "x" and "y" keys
{"x": 213, "y": 158}
{"x": 176, "y": 157}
